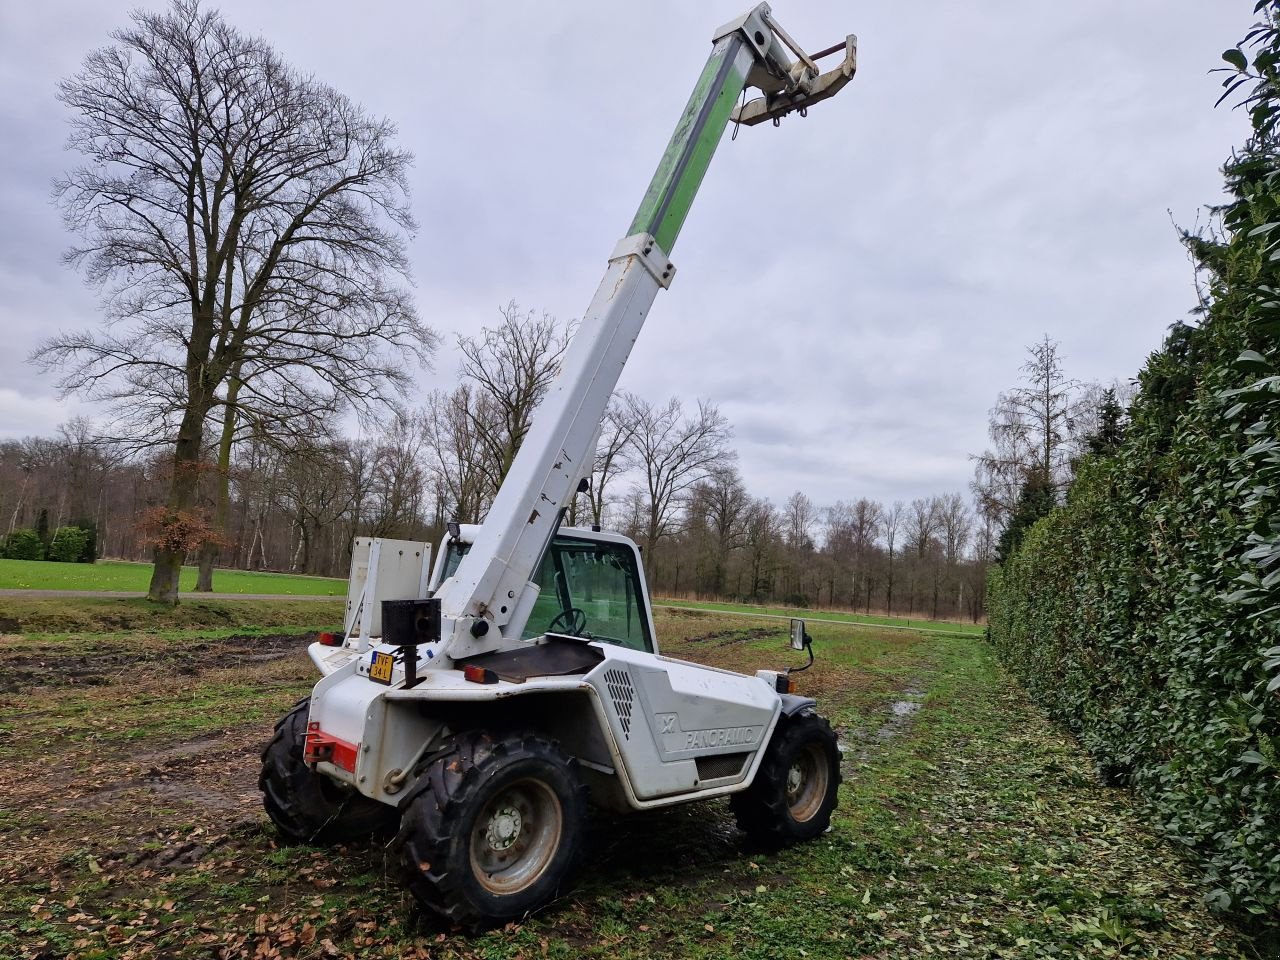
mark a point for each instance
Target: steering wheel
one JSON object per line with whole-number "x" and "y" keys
{"x": 572, "y": 621}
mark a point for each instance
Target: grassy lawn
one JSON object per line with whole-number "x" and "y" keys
{"x": 131, "y": 826}
{"x": 838, "y": 616}
{"x": 134, "y": 577}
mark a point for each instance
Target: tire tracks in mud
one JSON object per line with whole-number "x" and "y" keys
{"x": 730, "y": 638}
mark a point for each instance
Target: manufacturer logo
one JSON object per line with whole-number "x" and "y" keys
{"x": 723, "y": 737}
{"x": 674, "y": 740}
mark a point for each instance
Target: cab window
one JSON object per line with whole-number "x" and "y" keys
{"x": 590, "y": 589}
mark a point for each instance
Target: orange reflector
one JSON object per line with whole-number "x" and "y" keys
{"x": 479, "y": 674}
{"x": 331, "y": 639}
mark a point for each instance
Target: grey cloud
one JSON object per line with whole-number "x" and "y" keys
{"x": 854, "y": 288}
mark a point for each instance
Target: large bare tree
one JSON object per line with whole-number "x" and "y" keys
{"x": 246, "y": 224}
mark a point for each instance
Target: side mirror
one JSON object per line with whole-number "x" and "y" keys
{"x": 799, "y": 639}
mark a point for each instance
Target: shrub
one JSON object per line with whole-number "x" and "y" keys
{"x": 68, "y": 544}
{"x": 23, "y": 545}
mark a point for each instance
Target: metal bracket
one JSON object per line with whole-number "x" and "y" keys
{"x": 644, "y": 247}
{"x": 804, "y": 91}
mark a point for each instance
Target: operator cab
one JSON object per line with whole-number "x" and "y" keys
{"x": 591, "y": 586}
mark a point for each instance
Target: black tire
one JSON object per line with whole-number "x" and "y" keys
{"x": 795, "y": 789}
{"x": 308, "y": 807}
{"x": 493, "y": 828}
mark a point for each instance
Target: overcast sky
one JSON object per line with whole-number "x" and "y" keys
{"x": 854, "y": 287}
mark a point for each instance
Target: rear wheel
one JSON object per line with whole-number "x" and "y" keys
{"x": 308, "y": 807}
{"x": 492, "y": 829}
{"x": 795, "y": 789}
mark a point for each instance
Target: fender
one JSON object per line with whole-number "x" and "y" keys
{"x": 793, "y": 704}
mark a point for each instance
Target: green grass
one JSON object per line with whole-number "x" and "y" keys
{"x": 134, "y": 577}
{"x": 835, "y": 616}
{"x": 972, "y": 828}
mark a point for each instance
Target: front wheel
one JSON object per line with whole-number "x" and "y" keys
{"x": 794, "y": 791}
{"x": 492, "y": 829}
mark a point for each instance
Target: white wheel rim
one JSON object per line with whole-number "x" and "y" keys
{"x": 516, "y": 837}
{"x": 807, "y": 780}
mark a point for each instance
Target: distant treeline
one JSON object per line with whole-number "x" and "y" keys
{"x": 296, "y": 507}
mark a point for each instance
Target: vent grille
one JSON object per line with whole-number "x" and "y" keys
{"x": 724, "y": 765}
{"x": 622, "y": 694}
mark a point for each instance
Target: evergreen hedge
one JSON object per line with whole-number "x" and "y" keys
{"x": 1145, "y": 613}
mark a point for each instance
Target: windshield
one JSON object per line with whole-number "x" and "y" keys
{"x": 588, "y": 589}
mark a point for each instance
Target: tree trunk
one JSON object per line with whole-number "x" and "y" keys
{"x": 169, "y": 551}
{"x": 212, "y": 547}
{"x": 889, "y": 591}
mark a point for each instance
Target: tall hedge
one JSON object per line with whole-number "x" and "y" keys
{"x": 1145, "y": 613}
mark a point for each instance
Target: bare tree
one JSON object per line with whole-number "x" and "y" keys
{"x": 891, "y": 522}
{"x": 673, "y": 452}
{"x": 801, "y": 516}
{"x": 246, "y": 224}
{"x": 613, "y": 455}
{"x": 864, "y": 528}
{"x": 922, "y": 525}
{"x": 397, "y": 481}
{"x": 724, "y": 503}
{"x": 1030, "y": 431}
{"x": 921, "y": 539}
{"x": 763, "y": 534}
{"x": 461, "y": 485}
{"x": 955, "y": 526}
{"x": 513, "y": 365}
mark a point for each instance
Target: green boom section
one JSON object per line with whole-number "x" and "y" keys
{"x": 666, "y": 203}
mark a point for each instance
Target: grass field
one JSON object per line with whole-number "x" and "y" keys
{"x": 134, "y": 577}
{"x": 131, "y": 825}
{"x": 836, "y": 616}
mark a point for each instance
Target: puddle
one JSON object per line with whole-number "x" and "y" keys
{"x": 859, "y": 744}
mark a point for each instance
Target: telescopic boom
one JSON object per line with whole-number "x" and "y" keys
{"x": 485, "y": 604}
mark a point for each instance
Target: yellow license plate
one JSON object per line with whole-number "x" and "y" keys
{"x": 380, "y": 667}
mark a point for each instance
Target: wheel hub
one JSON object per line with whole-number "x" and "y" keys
{"x": 516, "y": 836}
{"x": 795, "y": 781}
{"x": 504, "y": 828}
{"x": 807, "y": 780}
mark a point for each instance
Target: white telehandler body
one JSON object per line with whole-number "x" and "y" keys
{"x": 476, "y": 704}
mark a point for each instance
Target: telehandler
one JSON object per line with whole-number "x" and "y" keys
{"x": 475, "y": 705}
